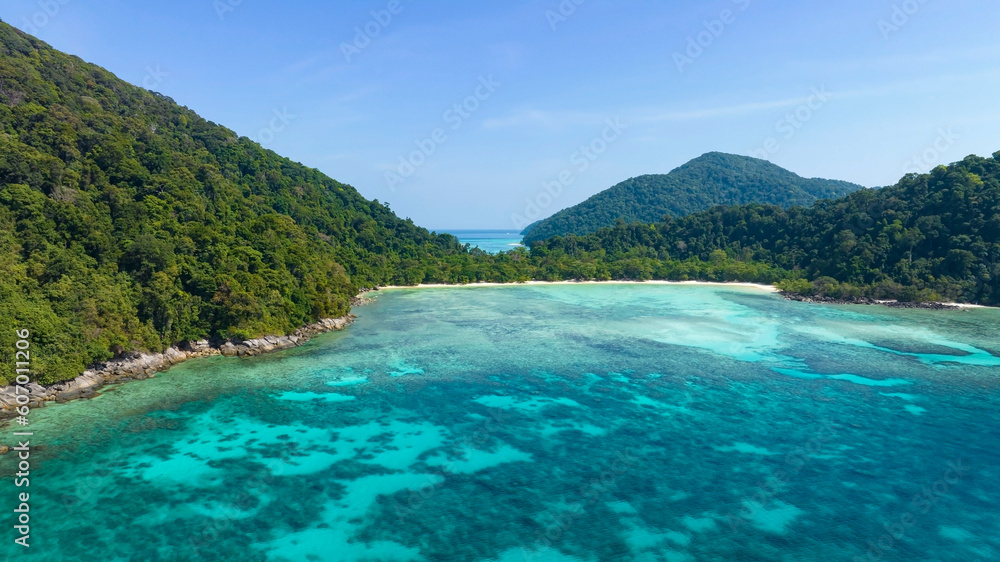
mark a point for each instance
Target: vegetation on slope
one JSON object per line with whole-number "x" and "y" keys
{"x": 933, "y": 236}
{"x": 712, "y": 179}
{"x": 128, "y": 222}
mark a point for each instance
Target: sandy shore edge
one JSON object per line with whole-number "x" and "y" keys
{"x": 965, "y": 305}
{"x": 759, "y": 286}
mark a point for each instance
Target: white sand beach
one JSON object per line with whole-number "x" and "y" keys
{"x": 759, "y": 286}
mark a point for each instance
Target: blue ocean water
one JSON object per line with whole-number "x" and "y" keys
{"x": 492, "y": 241}
{"x": 545, "y": 423}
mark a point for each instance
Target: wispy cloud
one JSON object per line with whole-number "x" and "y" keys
{"x": 722, "y": 111}
{"x": 304, "y": 64}
{"x": 900, "y": 61}
{"x": 548, "y": 119}
{"x": 357, "y": 94}
{"x": 555, "y": 119}
{"x": 509, "y": 54}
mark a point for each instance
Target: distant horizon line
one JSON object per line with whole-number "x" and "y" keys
{"x": 496, "y": 230}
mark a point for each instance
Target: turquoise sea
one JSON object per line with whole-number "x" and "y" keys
{"x": 545, "y": 423}
{"x": 492, "y": 241}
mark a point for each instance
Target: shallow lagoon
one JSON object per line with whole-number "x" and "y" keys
{"x": 546, "y": 423}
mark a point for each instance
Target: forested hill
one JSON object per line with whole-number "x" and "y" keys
{"x": 129, "y": 222}
{"x": 930, "y": 237}
{"x": 712, "y": 179}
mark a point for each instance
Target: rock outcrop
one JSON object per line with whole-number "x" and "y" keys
{"x": 138, "y": 366}
{"x": 868, "y": 301}
{"x": 361, "y": 299}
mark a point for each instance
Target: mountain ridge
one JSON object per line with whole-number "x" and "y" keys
{"x": 929, "y": 237}
{"x": 129, "y": 222}
{"x": 714, "y": 178}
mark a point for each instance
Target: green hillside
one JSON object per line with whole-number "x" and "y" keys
{"x": 712, "y": 179}
{"x": 129, "y": 222}
{"x": 933, "y": 236}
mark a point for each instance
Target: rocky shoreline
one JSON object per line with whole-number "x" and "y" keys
{"x": 870, "y": 301}
{"x": 139, "y": 366}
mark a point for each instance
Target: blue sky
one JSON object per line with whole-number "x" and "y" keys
{"x": 557, "y": 100}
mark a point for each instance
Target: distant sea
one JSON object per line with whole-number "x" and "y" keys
{"x": 492, "y": 241}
